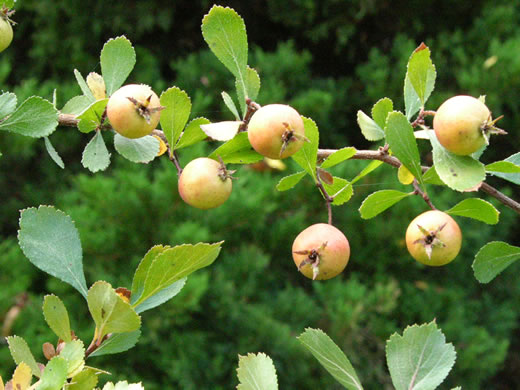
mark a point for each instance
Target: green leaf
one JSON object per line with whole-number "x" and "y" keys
{"x": 225, "y": 33}
{"x": 381, "y": 110}
{"x": 95, "y": 156}
{"x": 9, "y": 3}
{"x": 176, "y": 113}
{"x": 54, "y": 375}
{"x": 53, "y": 153}
{"x": 230, "y": 104}
{"x": 85, "y": 380}
{"x": 174, "y": 264}
{"x": 412, "y": 102}
{"x": 51, "y": 242}
{"x": 512, "y": 177}
{"x": 139, "y": 150}
{"x": 372, "y": 166}
{"x": 503, "y": 167}
{"x": 421, "y": 73}
{"x": 222, "y": 131}
{"x": 288, "y": 182}
{"x": 21, "y": 353}
{"x": 36, "y": 117}
{"x": 57, "y": 317}
{"x": 420, "y": 359}
{"x": 110, "y": 313}
{"x": 307, "y": 156}
{"x": 123, "y": 385}
{"x": 460, "y": 173}
{"x": 142, "y": 271}
{"x": 76, "y": 105}
{"x": 338, "y": 157}
{"x": 192, "y": 133}
{"x": 369, "y": 128}
{"x": 492, "y": 259}
{"x": 237, "y": 151}
{"x": 379, "y": 201}
{"x": 74, "y": 354}
{"x": 84, "y": 87}
{"x": 117, "y": 343}
{"x": 400, "y": 137}
{"x": 8, "y": 103}
{"x": 477, "y": 209}
{"x": 256, "y": 372}
{"x": 341, "y": 190}
{"x": 90, "y": 119}
{"x": 431, "y": 177}
{"x": 249, "y": 89}
{"x": 117, "y": 61}
{"x": 161, "y": 297}
{"x": 330, "y": 357}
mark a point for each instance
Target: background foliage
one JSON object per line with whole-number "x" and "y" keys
{"x": 328, "y": 59}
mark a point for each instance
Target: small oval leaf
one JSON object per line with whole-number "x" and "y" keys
{"x": 379, "y": 201}
{"x": 492, "y": 259}
{"x": 477, "y": 209}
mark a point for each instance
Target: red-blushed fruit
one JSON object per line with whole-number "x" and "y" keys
{"x": 134, "y": 110}
{"x": 461, "y": 124}
{"x": 205, "y": 183}
{"x": 276, "y": 131}
{"x": 433, "y": 238}
{"x": 321, "y": 251}
{"x": 6, "y": 33}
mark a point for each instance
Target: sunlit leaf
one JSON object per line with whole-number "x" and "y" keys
{"x": 338, "y": 157}
{"x": 36, "y": 117}
{"x": 117, "y": 61}
{"x": 21, "y": 353}
{"x": 477, "y": 209}
{"x": 256, "y": 372}
{"x": 139, "y": 150}
{"x": 492, "y": 259}
{"x": 57, "y": 317}
{"x": 288, "y": 182}
{"x": 176, "y": 113}
{"x": 307, "y": 156}
{"x": 380, "y": 201}
{"x": 221, "y": 131}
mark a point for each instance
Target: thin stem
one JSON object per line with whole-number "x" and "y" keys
{"x": 328, "y": 199}
{"x": 423, "y": 194}
{"x": 175, "y": 159}
{"x": 252, "y": 107}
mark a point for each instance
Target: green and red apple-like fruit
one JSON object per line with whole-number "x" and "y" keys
{"x": 463, "y": 124}
{"x": 205, "y": 183}
{"x": 276, "y": 131}
{"x": 321, "y": 251}
{"x": 134, "y": 110}
{"x": 433, "y": 238}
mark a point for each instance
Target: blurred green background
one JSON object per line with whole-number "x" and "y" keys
{"x": 328, "y": 59}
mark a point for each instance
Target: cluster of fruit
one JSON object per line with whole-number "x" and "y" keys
{"x": 462, "y": 125}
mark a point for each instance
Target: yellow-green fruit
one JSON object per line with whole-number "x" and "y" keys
{"x": 268, "y": 127}
{"x": 436, "y": 232}
{"x": 126, "y": 107}
{"x": 6, "y": 34}
{"x": 459, "y": 124}
{"x": 321, "y": 246}
{"x": 204, "y": 183}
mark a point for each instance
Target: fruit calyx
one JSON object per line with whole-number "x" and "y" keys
{"x": 290, "y": 135}
{"x": 224, "y": 173}
{"x": 313, "y": 259}
{"x": 143, "y": 107}
{"x": 430, "y": 239}
{"x": 488, "y": 128}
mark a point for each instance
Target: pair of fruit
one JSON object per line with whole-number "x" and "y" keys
{"x": 322, "y": 251}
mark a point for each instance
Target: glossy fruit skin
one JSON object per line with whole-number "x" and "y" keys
{"x": 6, "y": 34}
{"x": 458, "y": 124}
{"x": 450, "y": 235}
{"x": 123, "y": 114}
{"x": 201, "y": 186}
{"x": 334, "y": 255}
{"x": 266, "y": 128}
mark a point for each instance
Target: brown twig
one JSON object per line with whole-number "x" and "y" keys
{"x": 72, "y": 121}
{"x": 252, "y": 107}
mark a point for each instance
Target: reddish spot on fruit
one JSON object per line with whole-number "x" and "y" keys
{"x": 276, "y": 131}
{"x": 461, "y": 123}
{"x": 321, "y": 251}
{"x": 433, "y": 238}
{"x": 205, "y": 183}
{"x": 134, "y": 110}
